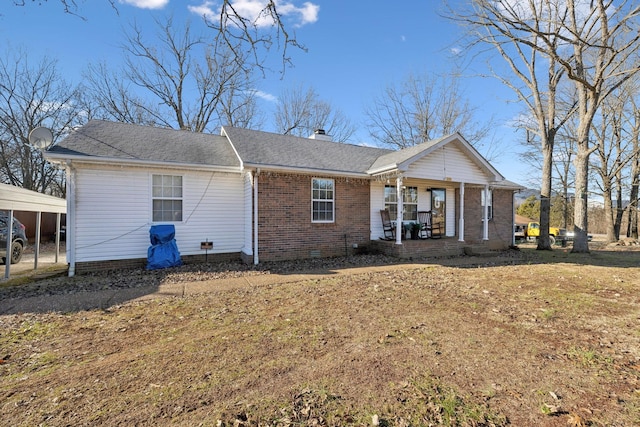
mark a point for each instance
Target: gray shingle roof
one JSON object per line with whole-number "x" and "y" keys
{"x": 120, "y": 141}
{"x": 274, "y": 150}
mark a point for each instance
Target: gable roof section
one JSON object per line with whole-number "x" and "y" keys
{"x": 286, "y": 152}
{"x": 111, "y": 142}
{"x": 401, "y": 159}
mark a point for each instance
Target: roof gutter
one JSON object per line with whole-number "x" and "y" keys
{"x": 278, "y": 168}
{"x": 62, "y": 159}
{"x": 383, "y": 170}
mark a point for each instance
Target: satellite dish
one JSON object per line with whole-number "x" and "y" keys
{"x": 40, "y": 137}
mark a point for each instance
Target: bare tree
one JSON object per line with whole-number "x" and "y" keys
{"x": 421, "y": 108}
{"x": 634, "y": 196}
{"x": 234, "y": 29}
{"x": 603, "y": 47}
{"x": 496, "y": 25}
{"x": 564, "y": 174}
{"x": 186, "y": 79}
{"x": 68, "y": 6}
{"x": 238, "y": 107}
{"x": 591, "y": 42}
{"x": 109, "y": 95}
{"x": 300, "y": 112}
{"x": 614, "y": 152}
{"x": 32, "y": 96}
{"x": 238, "y": 32}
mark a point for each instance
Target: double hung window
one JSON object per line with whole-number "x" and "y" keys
{"x": 409, "y": 202}
{"x": 322, "y": 200}
{"x": 167, "y": 198}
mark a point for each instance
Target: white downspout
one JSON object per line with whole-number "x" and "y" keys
{"x": 399, "y": 201}
{"x": 485, "y": 214}
{"x": 461, "y": 220}
{"x": 256, "y": 260}
{"x": 71, "y": 220}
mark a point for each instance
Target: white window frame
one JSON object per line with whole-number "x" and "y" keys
{"x": 167, "y": 191}
{"x": 482, "y": 202}
{"x": 390, "y": 203}
{"x": 317, "y": 198}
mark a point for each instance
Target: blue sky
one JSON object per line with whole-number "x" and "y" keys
{"x": 355, "y": 50}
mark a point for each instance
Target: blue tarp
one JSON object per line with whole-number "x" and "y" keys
{"x": 163, "y": 251}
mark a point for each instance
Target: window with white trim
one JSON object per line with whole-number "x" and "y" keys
{"x": 409, "y": 202}
{"x": 166, "y": 193}
{"x": 322, "y": 200}
{"x": 484, "y": 200}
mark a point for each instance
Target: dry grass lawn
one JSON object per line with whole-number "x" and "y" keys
{"x": 550, "y": 340}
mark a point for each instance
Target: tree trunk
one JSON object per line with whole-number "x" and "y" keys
{"x": 580, "y": 218}
{"x": 608, "y": 212}
{"x": 619, "y": 209}
{"x": 632, "y": 226}
{"x": 545, "y": 196}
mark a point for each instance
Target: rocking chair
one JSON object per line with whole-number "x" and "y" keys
{"x": 428, "y": 230}
{"x": 388, "y": 227}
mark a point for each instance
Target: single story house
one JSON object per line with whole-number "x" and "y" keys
{"x": 262, "y": 196}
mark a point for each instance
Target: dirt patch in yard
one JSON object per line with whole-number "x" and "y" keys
{"x": 527, "y": 339}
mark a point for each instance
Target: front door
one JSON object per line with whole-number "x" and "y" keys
{"x": 438, "y": 207}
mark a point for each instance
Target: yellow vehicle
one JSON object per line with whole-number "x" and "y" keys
{"x": 531, "y": 231}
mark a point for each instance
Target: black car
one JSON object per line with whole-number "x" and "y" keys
{"x": 18, "y": 239}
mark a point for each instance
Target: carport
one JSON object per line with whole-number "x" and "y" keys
{"x": 14, "y": 198}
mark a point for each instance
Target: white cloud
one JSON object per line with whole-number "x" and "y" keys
{"x": 266, "y": 96}
{"x": 308, "y": 13}
{"x": 252, "y": 9}
{"x": 146, "y": 4}
{"x": 205, "y": 9}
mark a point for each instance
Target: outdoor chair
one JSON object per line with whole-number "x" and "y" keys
{"x": 428, "y": 230}
{"x": 387, "y": 226}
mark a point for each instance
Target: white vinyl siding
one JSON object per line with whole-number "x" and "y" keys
{"x": 447, "y": 164}
{"x": 212, "y": 210}
{"x": 376, "y": 200}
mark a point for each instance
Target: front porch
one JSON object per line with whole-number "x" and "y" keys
{"x": 431, "y": 248}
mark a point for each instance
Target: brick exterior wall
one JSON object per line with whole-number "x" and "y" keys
{"x": 284, "y": 212}
{"x": 500, "y": 226}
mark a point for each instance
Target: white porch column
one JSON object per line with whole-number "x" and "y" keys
{"x": 485, "y": 214}
{"x": 461, "y": 220}
{"x": 399, "y": 201}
